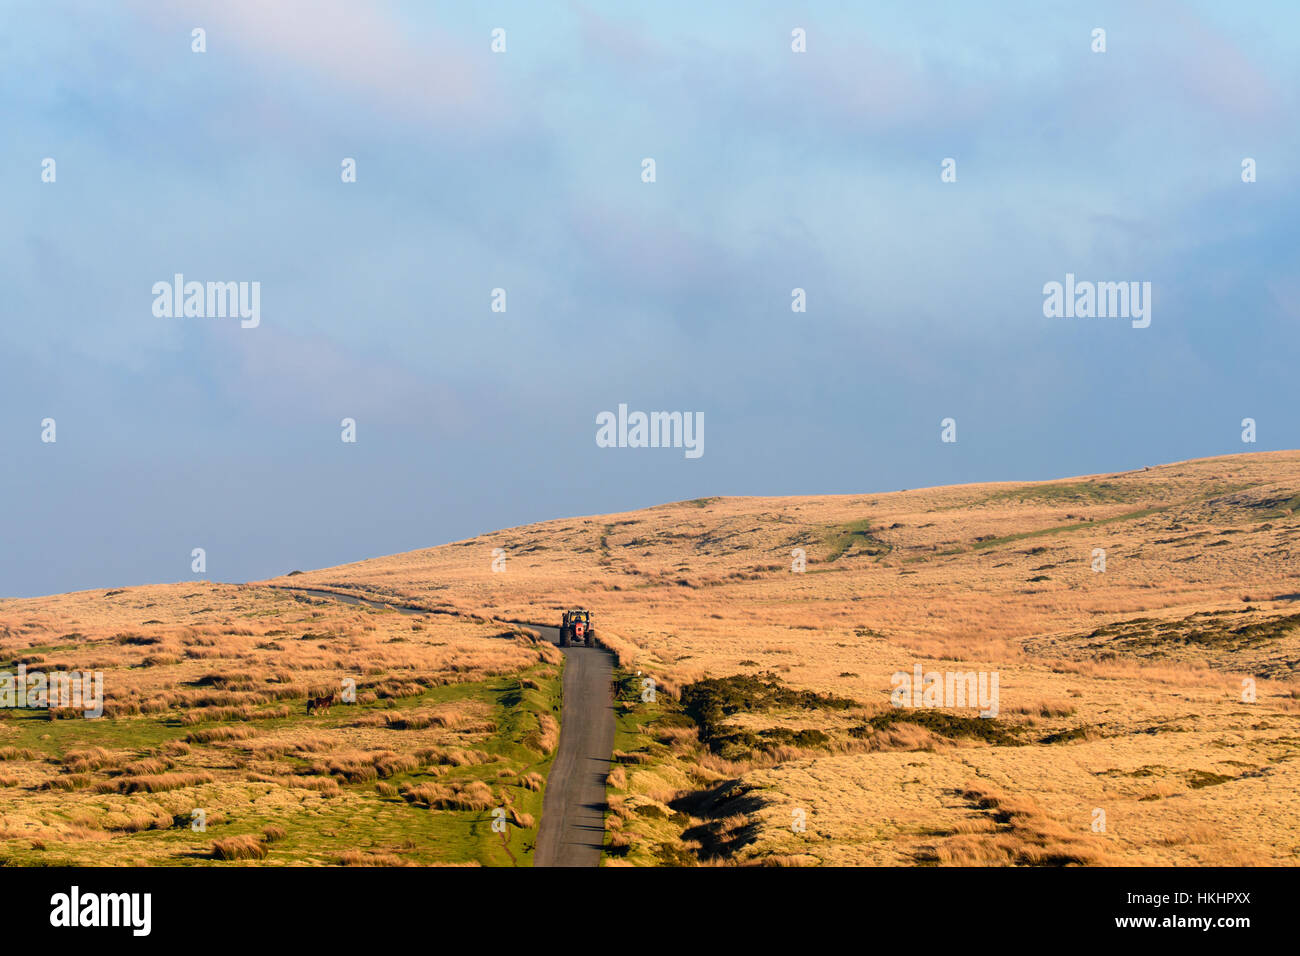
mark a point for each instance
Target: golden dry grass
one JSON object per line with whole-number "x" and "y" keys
{"x": 205, "y": 688}
{"x": 1120, "y": 690}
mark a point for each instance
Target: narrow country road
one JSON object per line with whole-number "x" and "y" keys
{"x": 573, "y": 807}
{"x": 572, "y": 830}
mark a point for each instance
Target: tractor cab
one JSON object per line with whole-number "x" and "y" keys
{"x": 575, "y": 628}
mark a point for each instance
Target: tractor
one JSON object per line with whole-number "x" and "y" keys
{"x": 575, "y": 628}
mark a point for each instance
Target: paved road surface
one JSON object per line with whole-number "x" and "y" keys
{"x": 573, "y": 808}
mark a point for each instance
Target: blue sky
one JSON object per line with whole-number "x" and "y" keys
{"x": 521, "y": 170}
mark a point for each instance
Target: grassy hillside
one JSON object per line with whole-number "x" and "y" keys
{"x": 205, "y": 720}
{"x": 1121, "y": 691}
{"x": 1160, "y": 693}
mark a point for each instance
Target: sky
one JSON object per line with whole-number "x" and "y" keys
{"x": 522, "y": 170}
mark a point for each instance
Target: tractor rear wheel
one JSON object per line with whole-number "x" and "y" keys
{"x": 564, "y": 637}
{"x": 591, "y": 638}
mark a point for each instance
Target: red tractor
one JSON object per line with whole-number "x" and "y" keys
{"x": 576, "y": 628}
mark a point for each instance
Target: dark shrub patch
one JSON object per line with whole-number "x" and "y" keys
{"x": 944, "y": 724}
{"x": 710, "y": 702}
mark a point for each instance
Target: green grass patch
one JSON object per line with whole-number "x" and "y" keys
{"x": 648, "y": 829}
{"x": 362, "y": 821}
{"x": 1079, "y": 493}
{"x": 1064, "y": 528}
{"x": 852, "y": 539}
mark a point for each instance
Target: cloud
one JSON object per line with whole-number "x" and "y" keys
{"x": 1209, "y": 70}
{"x": 352, "y": 46}
{"x": 297, "y": 377}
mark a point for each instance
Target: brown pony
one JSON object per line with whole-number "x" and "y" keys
{"x": 319, "y": 704}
